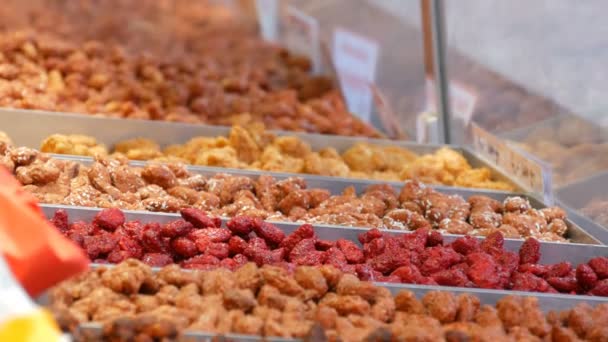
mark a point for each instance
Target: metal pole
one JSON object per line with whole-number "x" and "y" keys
{"x": 440, "y": 74}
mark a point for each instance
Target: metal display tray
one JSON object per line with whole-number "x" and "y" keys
{"x": 109, "y": 131}
{"x": 551, "y": 252}
{"x": 336, "y": 185}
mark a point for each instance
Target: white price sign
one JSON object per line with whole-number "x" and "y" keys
{"x": 302, "y": 36}
{"x": 355, "y": 58}
{"x": 532, "y": 173}
{"x": 268, "y": 13}
{"x": 462, "y": 100}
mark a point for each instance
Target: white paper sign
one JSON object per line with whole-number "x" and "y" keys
{"x": 462, "y": 100}
{"x": 355, "y": 58}
{"x": 302, "y": 36}
{"x": 268, "y": 13}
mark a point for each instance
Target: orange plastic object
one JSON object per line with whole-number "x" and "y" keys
{"x": 38, "y": 255}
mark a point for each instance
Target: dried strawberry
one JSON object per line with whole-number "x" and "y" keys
{"x": 202, "y": 260}
{"x": 314, "y": 258}
{"x": 229, "y": 264}
{"x": 434, "y": 239}
{"x": 130, "y": 245}
{"x": 529, "y": 253}
{"x": 219, "y": 250}
{"x": 369, "y": 236}
{"x": 352, "y": 252}
{"x": 529, "y": 282}
{"x": 324, "y": 245}
{"x": 465, "y": 245}
{"x": 367, "y": 273}
{"x": 240, "y": 259}
{"x": 257, "y": 243}
{"x": 117, "y": 256}
{"x": 536, "y": 269}
{"x": 493, "y": 243}
{"x": 408, "y": 274}
{"x": 109, "y": 219}
{"x": 99, "y": 245}
{"x": 157, "y": 259}
{"x": 211, "y": 234}
{"x": 269, "y": 232}
{"x": 237, "y": 245}
{"x": 600, "y": 266}
{"x": 390, "y": 260}
{"x": 77, "y": 237}
{"x": 151, "y": 239}
{"x": 133, "y": 229}
{"x": 243, "y": 225}
{"x": 184, "y": 247}
{"x": 305, "y": 231}
{"x": 60, "y": 220}
{"x": 198, "y": 218}
{"x": 563, "y": 284}
{"x": 508, "y": 261}
{"x": 454, "y": 277}
{"x": 483, "y": 271}
{"x": 374, "y": 247}
{"x": 586, "y": 276}
{"x": 435, "y": 259}
{"x": 82, "y": 228}
{"x": 600, "y": 289}
{"x": 265, "y": 257}
{"x": 559, "y": 270}
{"x": 176, "y": 228}
{"x": 303, "y": 247}
{"x": 335, "y": 257}
{"x": 415, "y": 241}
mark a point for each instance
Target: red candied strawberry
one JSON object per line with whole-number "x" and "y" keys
{"x": 508, "y": 261}
{"x": 184, "y": 247}
{"x": 314, "y": 258}
{"x": 265, "y": 257}
{"x": 439, "y": 258}
{"x": 243, "y": 225}
{"x": 563, "y": 284}
{"x": 435, "y": 239}
{"x": 130, "y": 245}
{"x": 99, "y": 245}
{"x": 324, "y": 245}
{"x": 201, "y": 260}
{"x": 370, "y": 235}
{"x": 586, "y": 276}
{"x": 335, "y": 257}
{"x": 349, "y": 269}
{"x": 60, "y": 220}
{"x": 229, "y": 264}
{"x": 529, "y": 282}
{"x": 388, "y": 279}
{"x": 465, "y": 245}
{"x": 157, "y": 259}
{"x": 600, "y": 266}
{"x": 151, "y": 240}
{"x": 408, "y": 274}
{"x": 390, "y": 260}
{"x": 352, "y": 252}
{"x": 133, "y": 229}
{"x": 118, "y": 256}
{"x": 269, "y": 232}
{"x": 109, "y": 219}
{"x": 415, "y": 241}
{"x": 237, "y": 245}
{"x": 176, "y": 228}
{"x": 258, "y": 243}
{"x": 77, "y": 237}
{"x": 303, "y": 247}
{"x": 493, "y": 243}
{"x": 82, "y": 228}
{"x": 211, "y": 234}
{"x": 305, "y": 231}
{"x": 240, "y": 259}
{"x": 199, "y": 218}
{"x": 367, "y": 273}
{"x": 559, "y": 270}
{"x": 454, "y": 277}
{"x": 374, "y": 247}
{"x": 529, "y": 253}
{"x": 600, "y": 288}
{"x": 536, "y": 269}
{"x": 483, "y": 271}
{"x": 219, "y": 250}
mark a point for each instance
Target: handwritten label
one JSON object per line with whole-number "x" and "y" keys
{"x": 355, "y": 59}
{"x": 268, "y": 13}
{"x": 533, "y": 174}
{"x": 302, "y": 36}
{"x": 462, "y": 100}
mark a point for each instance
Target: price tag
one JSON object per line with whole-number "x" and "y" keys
{"x": 302, "y": 36}
{"x": 462, "y": 100}
{"x": 355, "y": 59}
{"x": 268, "y": 13}
{"x": 533, "y": 174}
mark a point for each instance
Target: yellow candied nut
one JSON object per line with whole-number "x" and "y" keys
{"x": 36, "y": 326}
